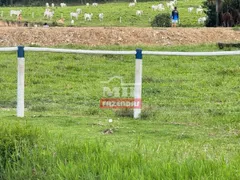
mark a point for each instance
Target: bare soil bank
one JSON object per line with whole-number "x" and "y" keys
{"x": 93, "y": 36}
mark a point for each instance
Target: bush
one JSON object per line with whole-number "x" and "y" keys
{"x": 161, "y": 20}
{"x": 211, "y": 13}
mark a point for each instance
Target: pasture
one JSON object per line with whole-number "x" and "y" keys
{"x": 115, "y": 14}
{"x": 190, "y": 127}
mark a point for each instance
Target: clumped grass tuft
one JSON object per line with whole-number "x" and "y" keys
{"x": 74, "y": 159}
{"x": 125, "y": 112}
{"x": 14, "y": 138}
{"x": 148, "y": 112}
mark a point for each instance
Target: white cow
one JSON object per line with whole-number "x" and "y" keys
{"x": 171, "y": 7}
{"x": 139, "y": 12}
{"x": 49, "y": 14}
{"x": 46, "y": 12}
{"x": 190, "y": 9}
{"x": 15, "y": 12}
{"x": 94, "y": 4}
{"x": 63, "y": 4}
{"x": 199, "y": 10}
{"x": 154, "y": 7}
{"x": 87, "y": 4}
{"x": 88, "y": 17}
{"x": 101, "y": 16}
{"x": 202, "y": 20}
{"x": 74, "y": 14}
{"x": 131, "y": 4}
{"x": 159, "y": 7}
{"x": 170, "y": 4}
{"x": 79, "y": 11}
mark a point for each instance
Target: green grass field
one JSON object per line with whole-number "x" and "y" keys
{"x": 112, "y": 13}
{"x": 190, "y": 127}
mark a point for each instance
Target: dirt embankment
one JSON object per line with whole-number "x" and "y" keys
{"x": 92, "y": 36}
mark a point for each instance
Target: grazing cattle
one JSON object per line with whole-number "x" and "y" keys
{"x": 131, "y": 4}
{"x": 154, "y": 7}
{"x": 172, "y": 7}
{"x": 190, "y": 9}
{"x": 88, "y": 17}
{"x": 74, "y": 14}
{"x": 199, "y": 10}
{"x": 87, "y": 4}
{"x": 63, "y": 4}
{"x": 100, "y": 16}
{"x": 159, "y": 7}
{"x": 79, "y": 10}
{"x": 170, "y": 4}
{"x": 48, "y": 13}
{"x": 15, "y": 12}
{"x": 202, "y": 20}
{"x": 94, "y": 4}
{"x": 139, "y": 12}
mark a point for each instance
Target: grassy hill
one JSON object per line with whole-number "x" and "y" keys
{"x": 189, "y": 130}
{"x": 112, "y": 14}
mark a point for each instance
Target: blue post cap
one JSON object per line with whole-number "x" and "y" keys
{"x": 20, "y": 51}
{"x": 139, "y": 54}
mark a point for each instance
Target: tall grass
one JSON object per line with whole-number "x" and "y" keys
{"x": 60, "y": 158}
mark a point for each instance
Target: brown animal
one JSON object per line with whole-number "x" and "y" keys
{"x": 61, "y": 21}
{"x": 227, "y": 20}
{"x": 236, "y": 15}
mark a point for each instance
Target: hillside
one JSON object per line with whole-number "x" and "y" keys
{"x": 12, "y": 36}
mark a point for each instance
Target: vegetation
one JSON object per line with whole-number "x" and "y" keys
{"x": 210, "y": 7}
{"x": 161, "y": 20}
{"x": 190, "y": 128}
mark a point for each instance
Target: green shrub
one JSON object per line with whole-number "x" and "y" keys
{"x": 161, "y": 20}
{"x": 211, "y": 13}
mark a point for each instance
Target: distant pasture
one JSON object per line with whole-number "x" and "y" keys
{"x": 115, "y": 14}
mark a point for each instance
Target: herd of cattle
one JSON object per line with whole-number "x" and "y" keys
{"x": 49, "y": 13}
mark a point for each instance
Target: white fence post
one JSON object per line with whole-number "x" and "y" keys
{"x": 138, "y": 83}
{"x": 20, "y": 82}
